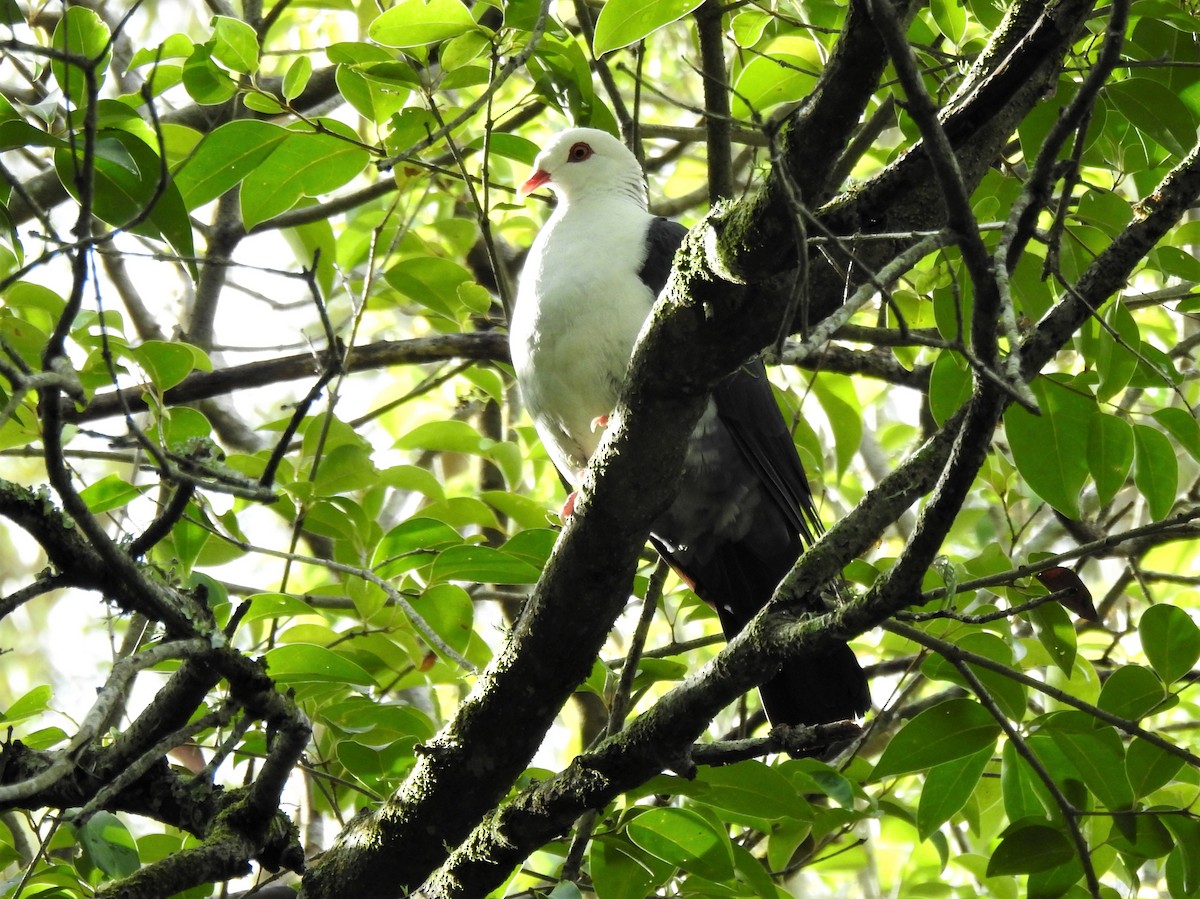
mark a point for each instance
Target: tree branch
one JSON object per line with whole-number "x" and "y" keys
{"x": 483, "y": 345}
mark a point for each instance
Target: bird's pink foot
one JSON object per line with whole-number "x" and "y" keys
{"x": 568, "y": 507}
{"x": 600, "y": 421}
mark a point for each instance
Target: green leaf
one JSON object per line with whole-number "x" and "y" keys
{"x": 411, "y": 543}
{"x": 751, "y": 788}
{"x": 260, "y": 102}
{"x": 1148, "y": 767}
{"x": 206, "y": 82}
{"x": 344, "y": 469}
{"x": 1009, "y": 694}
{"x": 414, "y": 23}
{"x": 82, "y": 33}
{"x": 1056, "y": 632}
{"x": 412, "y": 478}
{"x": 180, "y": 425}
{"x": 111, "y": 492}
{"x": 166, "y": 364}
{"x": 1096, "y": 753}
{"x": 1170, "y": 639}
{"x": 524, "y": 511}
{"x": 622, "y": 871}
{"x": 1109, "y": 454}
{"x": 305, "y": 164}
{"x": 299, "y": 663}
{"x": 948, "y": 731}
{"x": 686, "y": 840}
{"x": 187, "y": 540}
{"x": 753, "y": 873}
{"x": 1116, "y": 360}
{"x": 840, "y": 402}
{"x": 483, "y": 565}
{"x": 1050, "y": 450}
{"x": 448, "y": 436}
{"x": 1183, "y": 865}
{"x": 1155, "y": 110}
{"x": 463, "y": 512}
{"x": 15, "y": 133}
{"x": 510, "y": 146}
{"x": 1019, "y": 787}
{"x": 624, "y": 22}
{"x": 447, "y": 608}
{"x": 828, "y": 780}
{"x": 275, "y": 605}
{"x": 375, "y": 98}
{"x": 1183, "y": 426}
{"x": 235, "y": 45}
{"x": 947, "y": 788}
{"x": 748, "y": 25}
{"x": 1131, "y": 692}
{"x": 1155, "y": 469}
{"x": 788, "y": 74}
{"x": 951, "y": 19}
{"x": 565, "y": 889}
{"x": 296, "y": 79}
{"x": 45, "y": 738}
{"x": 949, "y": 385}
{"x": 224, "y": 157}
{"x": 1028, "y": 847}
{"x": 109, "y": 844}
{"x": 32, "y": 703}
{"x": 129, "y": 187}
{"x": 458, "y": 51}
{"x": 380, "y": 769}
{"x": 533, "y": 545}
{"x": 1141, "y": 836}
{"x": 432, "y": 281}
{"x": 176, "y": 46}
{"x": 1174, "y": 261}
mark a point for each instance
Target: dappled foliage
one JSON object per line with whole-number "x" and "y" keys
{"x": 281, "y": 547}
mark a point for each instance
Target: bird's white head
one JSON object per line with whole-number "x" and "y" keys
{"x": 586, "y": 162}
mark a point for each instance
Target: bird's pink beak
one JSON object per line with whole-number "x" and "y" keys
{"x": 536, "y": 180}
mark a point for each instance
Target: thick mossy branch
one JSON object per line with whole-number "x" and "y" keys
{"x": 79, "y": 564}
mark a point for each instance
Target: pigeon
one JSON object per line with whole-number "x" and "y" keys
{"x": 744, "y": 511}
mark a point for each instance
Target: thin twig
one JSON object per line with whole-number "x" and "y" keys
{"x": 1069, "y": 812}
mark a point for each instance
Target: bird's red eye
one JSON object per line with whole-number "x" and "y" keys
{"x": 579, "y": 152}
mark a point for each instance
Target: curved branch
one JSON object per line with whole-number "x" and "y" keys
{"x": 483, "y": 346}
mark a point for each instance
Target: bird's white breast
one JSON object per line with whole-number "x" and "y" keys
{"x": 579, "y": 309}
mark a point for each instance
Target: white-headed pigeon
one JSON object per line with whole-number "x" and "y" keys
{"x": 744, "y": 511}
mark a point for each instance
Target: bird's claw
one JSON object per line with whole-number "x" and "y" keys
{"x": 600, "y": 421}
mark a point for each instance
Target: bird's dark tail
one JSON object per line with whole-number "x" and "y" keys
{"x": 810, "y": 689}
{"x": 817, "y": 689}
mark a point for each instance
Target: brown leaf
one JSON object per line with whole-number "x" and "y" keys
{"x": 1075, "y": 596}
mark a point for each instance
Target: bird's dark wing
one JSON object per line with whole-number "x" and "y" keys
{"x": 743, "y": 514}
{"x": 816, "y": 688}
{"x": 662, "y": 240}
{"x": 746, "y": 405}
